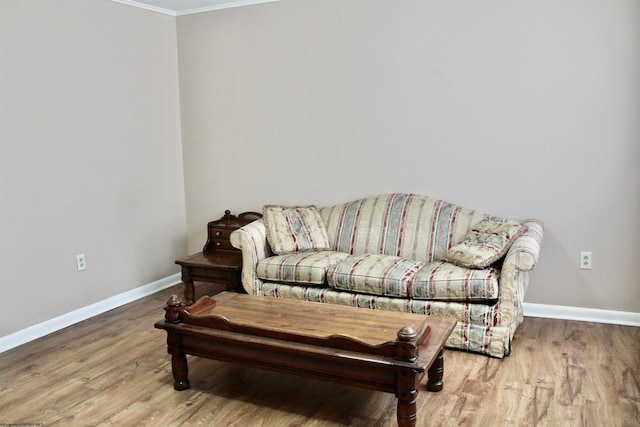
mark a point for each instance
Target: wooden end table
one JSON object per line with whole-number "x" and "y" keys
{"x": 223, "y": 267}
{"x": 379, "y": 350}
{"x": 219, "y": 262}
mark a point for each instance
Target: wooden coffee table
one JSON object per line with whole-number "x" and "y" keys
{"x": 379, "y": 350}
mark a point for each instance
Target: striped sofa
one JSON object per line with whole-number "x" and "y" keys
{"x": 388, "y": 252}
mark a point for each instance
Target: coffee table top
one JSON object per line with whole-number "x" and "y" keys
{"x": 320, "y": 324}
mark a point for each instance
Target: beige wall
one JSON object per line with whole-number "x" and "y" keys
{"x": 521, "y": 109}
{"x": 526, "y": 109}
{"x": 90, "y": 155}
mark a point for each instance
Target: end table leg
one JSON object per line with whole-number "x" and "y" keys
{"x": 189, "y": 292}
{"x": 436, "y": 372}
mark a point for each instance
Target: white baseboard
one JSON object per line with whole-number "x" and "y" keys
{"x": 49, "y": 326}
{"x": 582, "y": 314}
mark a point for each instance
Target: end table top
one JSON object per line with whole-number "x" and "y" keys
{"x": 215, "y": 259}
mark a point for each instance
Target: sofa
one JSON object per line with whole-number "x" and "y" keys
{"x": 400, "y": 252}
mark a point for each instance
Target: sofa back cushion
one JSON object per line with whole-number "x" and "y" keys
{"x": 405, "y": 225}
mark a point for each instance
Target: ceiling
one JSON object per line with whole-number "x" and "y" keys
{"x": 187, "y": 7}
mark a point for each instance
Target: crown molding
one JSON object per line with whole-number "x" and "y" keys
{"x": 224, "y": 5}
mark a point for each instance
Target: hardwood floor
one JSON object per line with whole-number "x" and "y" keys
{"x": 114, "y": 370}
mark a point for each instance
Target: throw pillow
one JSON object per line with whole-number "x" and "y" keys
{"x": 484, "y": 244}
{"x": 294, "y": 229}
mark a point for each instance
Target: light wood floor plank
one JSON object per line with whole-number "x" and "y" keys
{"x": 114, "y": 370}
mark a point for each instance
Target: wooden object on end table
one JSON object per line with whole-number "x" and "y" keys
{"x": 219, "y": 262}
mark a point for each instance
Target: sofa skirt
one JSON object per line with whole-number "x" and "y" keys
{"x": 479, "y": 327}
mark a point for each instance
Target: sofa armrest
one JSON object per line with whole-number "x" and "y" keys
{"x": 524, "y": 252}
{"x": 252, "y": 241}
{"x": 514, "y": 276}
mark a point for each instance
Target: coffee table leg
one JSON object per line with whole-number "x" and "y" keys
{"x": 180, "y": 372}
{"x": 436, "y": 372}
{"x": 179, "y": 366}
{"x": 407, "y": 395}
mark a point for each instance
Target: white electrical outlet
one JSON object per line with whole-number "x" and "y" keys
{"x": 81, "y": 262}
{"x": 585, "y": 260}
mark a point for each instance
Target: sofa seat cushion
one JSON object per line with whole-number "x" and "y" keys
{"x": 448, "y": 282}
{"x": 300, "y": 267}
{"x": 387, "y": 275}
{"x": 374, "y": 274}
